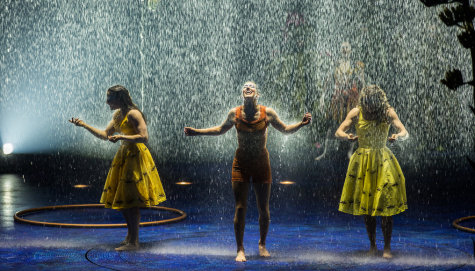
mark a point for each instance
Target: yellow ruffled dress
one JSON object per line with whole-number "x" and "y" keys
{"x": 374, "y": 183}
{"x": 133, "y": 179}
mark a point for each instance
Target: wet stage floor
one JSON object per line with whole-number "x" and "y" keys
{"x": 301, "y": 237}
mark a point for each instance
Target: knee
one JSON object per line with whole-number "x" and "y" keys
{"x": 264, "y": 214}
{"x": 241, "y": 210}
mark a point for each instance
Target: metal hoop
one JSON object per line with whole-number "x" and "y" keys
{"x": 70, "y": 225}
{"x": 463, "y": 219}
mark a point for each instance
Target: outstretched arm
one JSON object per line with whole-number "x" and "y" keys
{"x": 110, "y": 130}
{"x": 140, "y": 127}
{"x": 273, "y": 119}
{"x": 346, "y": 124}
{"x": 396, "y": 123}
{"x": 214, "y": 131}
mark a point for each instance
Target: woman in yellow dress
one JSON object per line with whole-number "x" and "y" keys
{"x": 133, "y": 179}
{"x": 374, "y": 184}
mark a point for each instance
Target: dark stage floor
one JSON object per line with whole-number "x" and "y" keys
{"x": 305, "y": 233}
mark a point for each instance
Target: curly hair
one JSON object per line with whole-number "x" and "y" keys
{"x": 374, "y": 96}
{"x": 123, "y": 94}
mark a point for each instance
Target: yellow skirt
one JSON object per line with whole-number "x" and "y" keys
{"x": 133, "y": 179}
{"x": 374, "y": 184}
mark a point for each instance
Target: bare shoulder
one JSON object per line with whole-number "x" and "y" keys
{"x": 270, "y": 112}
{"x": 231, "y": 114}
{"x": 134, "y": 115}
{"x": 354, "y": 112}
{"x": 391, "y": 113}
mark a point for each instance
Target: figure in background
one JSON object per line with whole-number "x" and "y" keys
{"x": 251, "y": 160}
{"x": 374, "y": 183}
{"x": 133, "y": 179}
{"x": 349, "y": 80}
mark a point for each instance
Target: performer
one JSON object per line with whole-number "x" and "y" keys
{"x": 133, "y": 179}
{"x": 348, "y": 81}
{"x": 374, "y": 184}
{"x": 251, "y": 159}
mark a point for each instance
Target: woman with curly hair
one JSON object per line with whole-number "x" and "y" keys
{"x": 374, "y": 183}
{"x": 133, "y": 179}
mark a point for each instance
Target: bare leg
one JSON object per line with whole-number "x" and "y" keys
{"x": 127, "y": 219}
{"x": 134, "y": 224}
{"x": 240, "y": 191}
{"x": 262, "y": 191}
{"x": 370, "y": 223}
{"x": 327, "y": 138}
{"x": 387, "y": 227}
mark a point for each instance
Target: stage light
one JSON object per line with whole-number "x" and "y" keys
{"x": 7, "y": 148}
{"x": 183, "y": 183}
{"x": 287, "y": 182}
{"x": 82, "y": 185}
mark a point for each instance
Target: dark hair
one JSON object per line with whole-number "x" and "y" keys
{"x": 374, "y": 96}
{"x": 123, "y": 94}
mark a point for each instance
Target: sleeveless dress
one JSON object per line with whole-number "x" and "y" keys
{"x": 133, "y": 179}
{"x": 374, "y": 183}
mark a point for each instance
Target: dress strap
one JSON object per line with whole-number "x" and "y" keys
{"x": 238, "y": 113}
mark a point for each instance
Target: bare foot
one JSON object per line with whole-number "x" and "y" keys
{"x": 371, "y": 252}
{"x": 126, "y": 241}
{"x": 240, "y": 256}
{"x": 387, "y": 254}
{"x": 263, "y": 251}
{"x": 128, "y": 247}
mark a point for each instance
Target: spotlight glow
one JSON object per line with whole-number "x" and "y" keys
{"x": 7, "y": 148}
{"x": 82, "y": 186}
{"x": 183, "y": 183}
{"x": 287, "y": 182}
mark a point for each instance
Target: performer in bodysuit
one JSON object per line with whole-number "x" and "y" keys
{"x": 133, "y": 179}
{"x": 348, "y": 81}
{"x": 251, "y": 160}
{"x": 374, "y": 184}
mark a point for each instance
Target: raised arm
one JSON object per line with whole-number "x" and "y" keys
{"x": 140, "y": 127}
{"x": 214, "y": 131}
{"x": 350, "y": 120}
{"x": 273, "y": 119}
{"x": 397, "y": 124}
{"x": 110, "y": 130}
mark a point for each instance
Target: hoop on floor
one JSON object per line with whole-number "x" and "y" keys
{"x": 463, "y": 219}
{"x": 17, "y": 217}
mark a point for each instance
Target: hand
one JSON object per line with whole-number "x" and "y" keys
{"x": 352, "y": 138}
{"x": 115, "y": 138}
{"x": 393, "y": 138}
{"x": 190, "y": 131}
{"x": 77, "y": 122}
{"x": 307, "y": 119}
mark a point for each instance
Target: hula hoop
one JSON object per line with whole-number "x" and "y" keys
{"x": 17, "y": 217}
{"x": 463, "y": 219}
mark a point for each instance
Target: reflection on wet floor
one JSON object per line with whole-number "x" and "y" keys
{"x": 299, "y": 238}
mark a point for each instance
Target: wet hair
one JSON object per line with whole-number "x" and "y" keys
{"x": 123, "y": 94}
{"x": 375, "y": 97}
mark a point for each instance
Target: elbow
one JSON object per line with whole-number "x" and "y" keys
{"x": 145, "y": 139}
